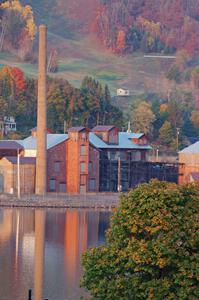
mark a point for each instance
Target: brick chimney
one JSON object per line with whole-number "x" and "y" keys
{"x": 40, "y": 187}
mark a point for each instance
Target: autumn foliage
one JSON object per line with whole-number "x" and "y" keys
{"x": 15, "y": 77}
{"x": 150, "y": 25}
{"x": 17, "y": 27}
{"x": 152, "y": 247}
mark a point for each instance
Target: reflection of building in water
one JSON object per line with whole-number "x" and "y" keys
{"x": 93, "y": 228}
{"x": 75, "y": 244}
{"x": 39, "y": 253}
{"x": 69, "y": 233}
{"x": 82, "y": 230}
{"x": 55, "y": 227}
{"x": 28, "y": 247}
{"x": 104, "y": 219}
{"x": 5, "y": 225}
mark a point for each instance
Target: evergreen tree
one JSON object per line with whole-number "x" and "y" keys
{"x": 166, "y": 134}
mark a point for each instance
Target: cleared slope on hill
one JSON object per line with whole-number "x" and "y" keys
{"x": 82, "y": 55}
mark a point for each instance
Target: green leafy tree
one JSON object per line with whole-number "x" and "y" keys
{"x": 174, "y": 73}
{"x": 152, "y": 247}
{"x": 166, "y": 134}
{"x": 142, "y": 118}
{"x": 195, "y": 77}
{"x": 98, "y": 103}
{"x": 195, "y": 118}
{"x": 175, "y": 114}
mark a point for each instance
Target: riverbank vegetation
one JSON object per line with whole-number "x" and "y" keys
{"x": 152, "y": 247}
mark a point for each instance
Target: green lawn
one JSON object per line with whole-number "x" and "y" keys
{"x": 82, "y": 56}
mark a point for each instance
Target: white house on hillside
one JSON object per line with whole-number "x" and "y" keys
{"x": 123, "y": 92}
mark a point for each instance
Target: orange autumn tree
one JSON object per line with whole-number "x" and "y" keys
{"x": 121, "y": 42}
{"x": 12, "y": 81}
{"x": 19, "y": 80}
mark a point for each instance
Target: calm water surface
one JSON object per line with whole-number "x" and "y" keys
{"x": 41, "y": 250}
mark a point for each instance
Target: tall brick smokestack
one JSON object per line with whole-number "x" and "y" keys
{"x": 41, "y": 116}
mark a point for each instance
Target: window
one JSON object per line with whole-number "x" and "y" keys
{"x": 52, "y": 185}
{"x": 111, "y": 155}
{"x": 136, "y": 156}
{"x": 104, "y": 136}
{"x": 82, "y": 150}
{"x": 82, "y": 167}
{"x": 90, "y": 167}
{"x": 91, "y": 185}
{"x": 123, "y": 155}
{"x": 62, "y": 187}
{"x": 82, "y": 189}
{"x": 83, "y": 135}
{"x": 57, "y": 166}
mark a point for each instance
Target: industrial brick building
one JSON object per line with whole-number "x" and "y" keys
{"x": 80, "y": 161}
{"x": 98, "y": 160}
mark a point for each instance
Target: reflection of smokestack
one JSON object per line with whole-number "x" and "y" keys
{"x": 40, "y": 218}
{"x": 41, "y": 115}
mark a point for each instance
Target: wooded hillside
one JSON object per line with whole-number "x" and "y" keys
{"x": 123, "y": 26}
{"x": 149, "y": 25}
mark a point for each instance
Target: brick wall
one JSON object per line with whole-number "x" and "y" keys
{"x": 77, "y": 179}
{"x": 56, "y": 167}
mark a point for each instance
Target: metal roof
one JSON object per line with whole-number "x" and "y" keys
{"x": 10, "y": 145}
{"x": 194, "y": 148}
{"x": 125, "y": 142}
{"x": 52, "y": 140}
{"x": 103, "y": 128}
{"x": 23, "y": 160}
{"x": 133, "y": 135}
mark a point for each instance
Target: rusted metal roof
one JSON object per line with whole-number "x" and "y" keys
{"x": 77, "y": 129}
{"x": 103, "y": 128}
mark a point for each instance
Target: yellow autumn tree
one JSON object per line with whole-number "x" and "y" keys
{"x": 26, "y": 14}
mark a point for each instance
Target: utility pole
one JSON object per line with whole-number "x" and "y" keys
{"x": 65, "y": 126}
{"x": 157, "y": 154}
{"x": 177, "y": 138}
{"x": 119, "y": 176}
{"x": 18, "y": 174}
{"x": 3, "y": 31}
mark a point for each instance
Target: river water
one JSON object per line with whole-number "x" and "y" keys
{"x": 41, "y": 249}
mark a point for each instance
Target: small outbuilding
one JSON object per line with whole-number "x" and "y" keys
{"x": 123, "y": 92}
{"x": 8, "y": 174}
